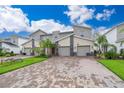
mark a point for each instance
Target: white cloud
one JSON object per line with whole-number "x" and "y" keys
{"x": 79, "y": 14}
{"x": 105, "y": 15}
{"x": 49, "y": 26}
{"x": 13, "y": 19}
{"x": 99, "y": 16}
{"x": 101, "y": 30}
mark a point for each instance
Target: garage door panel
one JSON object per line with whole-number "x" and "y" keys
{"x": 83, "y": 50}
{"x": 27, "y": 51}
{"x": 64, "y": 51}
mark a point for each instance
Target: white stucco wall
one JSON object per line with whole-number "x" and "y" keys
{"x": 77, "y": 42}
{"x": 21, "y": 41}
{"x": 112, "y": 36}
{"x": 64, "y": 42}
{"x": 86, "y": 32}
{"x": 112, "y": 39}
{"x": 119, "y": 47}
{"x": 36, "y": 36}
{"x": 28, "y": 45}
{"x": 17, "y": 40}
{"x": 10, "y": 48}
{"x": 82, "y": 42}
{"x": 120, "y": 33}
{"x": 14, "y": 40}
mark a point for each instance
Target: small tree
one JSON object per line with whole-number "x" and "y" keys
{"x": 47, "y": 45}
{"x": 1, "y": 53}
{"x": 38, "y": 50}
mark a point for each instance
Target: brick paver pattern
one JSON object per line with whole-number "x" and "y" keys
{"x": 62, "y": 72}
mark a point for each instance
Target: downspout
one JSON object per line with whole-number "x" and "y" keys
{"x": 72, "y": 45}
{"x": 33, "y": 46}
{"x": 56, "y": 48}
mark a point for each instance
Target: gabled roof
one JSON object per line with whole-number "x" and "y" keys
{"x": 82, "y": 26}
{"x": 9, "y": 43}
{"x": 83, "y": 38}
{"x": 39, "y": 30}
{"x": 75, "y": 36}
{"x": 27, "y": 42}
{"x": 113, "y": 28}
{"x": 64, "y": 37}
{"x": 50, "y": 34}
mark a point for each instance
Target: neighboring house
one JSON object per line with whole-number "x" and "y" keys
{"x": 34, "y": 40}
{"x": 17, "y": 40}
{"x": 9, "y": 47}
{"x": 36, "y": 35}
{"x": 77, "y": 42}
{"x": 116, "y": 36}
{"x": 27, "y": 47}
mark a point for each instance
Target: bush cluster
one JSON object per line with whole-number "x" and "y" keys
{"x": 122, "y": 53}
{"x": 6, "y": 54}
{"x": 111, "y": 55}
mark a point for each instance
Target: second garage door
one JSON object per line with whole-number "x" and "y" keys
{"x": 27, "y": 51}
{"x": 64, "y": 51}
{"x": 83, "y": 50}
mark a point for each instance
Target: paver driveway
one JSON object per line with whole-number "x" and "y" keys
{"x": 62, "y": 72}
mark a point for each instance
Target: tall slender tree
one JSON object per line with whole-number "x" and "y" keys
{"x": 101, "y": 43}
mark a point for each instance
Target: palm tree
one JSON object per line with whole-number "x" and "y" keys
{"x": 101, "y": 43}
{"x": 47, "y": 45}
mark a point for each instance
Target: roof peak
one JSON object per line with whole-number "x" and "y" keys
{"x": 37, "y": 31}
{"x": 82, "y": 26}
{"x": 114, "y": 27}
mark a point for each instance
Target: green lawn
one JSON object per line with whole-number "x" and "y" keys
{"x": 116, "y": 66}
{"x": 10, "y": 66}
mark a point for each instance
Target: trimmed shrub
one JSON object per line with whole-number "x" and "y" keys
{"x": 7, "y": 55}
{"x": 43, "y": 55}
{"x": 111, "y": 54}
{"x": 122, "y": 53}
{"x": 2, "y": 52}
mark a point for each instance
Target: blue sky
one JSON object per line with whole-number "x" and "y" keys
{"x": 25, "y": 19}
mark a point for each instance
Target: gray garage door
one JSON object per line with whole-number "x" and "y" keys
{"x": 64, "y": 51}
{"x": 83, "y": 50}
{"x": 27, "y": 51}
